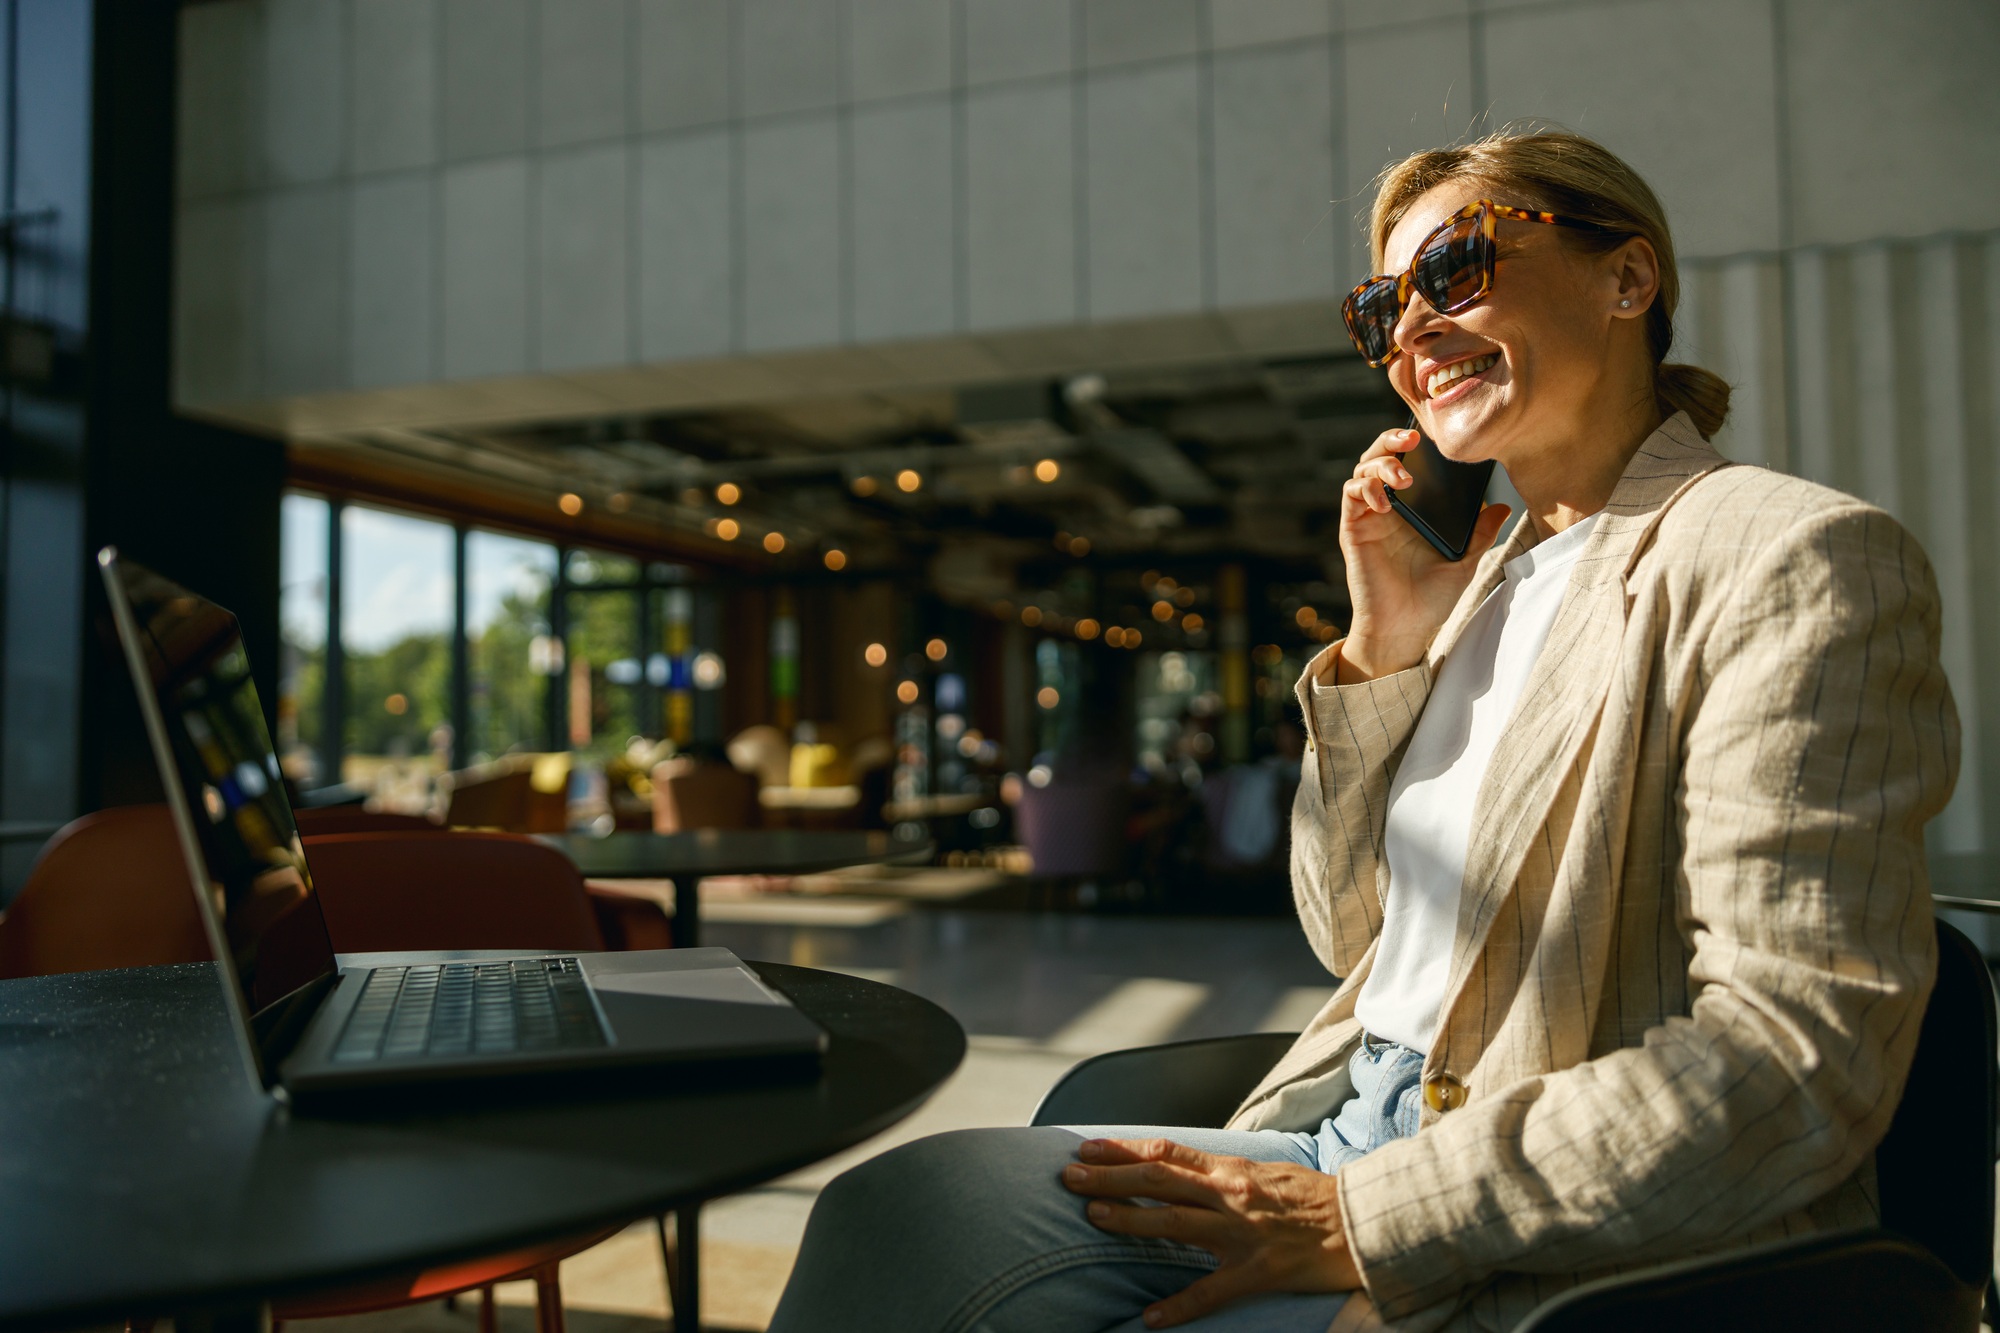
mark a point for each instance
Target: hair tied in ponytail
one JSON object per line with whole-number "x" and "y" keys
{"x": 1702, "y": 394}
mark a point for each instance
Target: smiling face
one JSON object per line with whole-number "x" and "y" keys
{"x": 1528, "y": 368}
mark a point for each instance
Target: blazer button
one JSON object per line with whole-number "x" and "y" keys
{"x": 1444, "y": 1092}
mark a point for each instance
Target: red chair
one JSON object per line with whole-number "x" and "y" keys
{"x": 383, "y": 892}
{"x": 110, "y": 890}
{"x": 624, "y": 920}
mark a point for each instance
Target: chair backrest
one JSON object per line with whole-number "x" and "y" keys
{"x": 353, "y": 819}
{"x": 457, "y": 890}
{"x": 690, "y": 795}
{"x": 763, "y": 751}
{"x": 1074, "y": 828}
{"x": 110, "y": 890}
{"x": 1935, "y": 1167}
{"x": 1197, "y": 1083}
{"x": 1866, "y": 1281}
{"x": 494, "y": 795}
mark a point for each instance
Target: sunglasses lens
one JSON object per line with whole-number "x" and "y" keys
{"x": 1451, "y": 270}
{"x": 1371, "y": 316}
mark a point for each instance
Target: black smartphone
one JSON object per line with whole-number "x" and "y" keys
{"x": 1443, "y": 499}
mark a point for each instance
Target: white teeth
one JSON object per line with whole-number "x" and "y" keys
{"x": 1459, "y": 370}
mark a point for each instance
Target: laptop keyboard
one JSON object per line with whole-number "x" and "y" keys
{"x": 467, "y": 1009}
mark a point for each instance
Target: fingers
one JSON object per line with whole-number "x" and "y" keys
{"x": 1390, "y": 471}
{"x": 1361, "y": 495}
{"x": 1141, "y": 1180}
{"x": 1397, "y": 441}
{"x": 1205, "y": 1296}
{"x": 1200, "y": 1227}
{"x": 1115, "y": 1151}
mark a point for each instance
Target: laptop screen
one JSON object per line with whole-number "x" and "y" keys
{"x": 225, "y": 778}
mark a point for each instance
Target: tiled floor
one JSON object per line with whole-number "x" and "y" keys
{"x": 1035, "y": 991}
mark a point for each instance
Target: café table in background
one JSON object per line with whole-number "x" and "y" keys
{"x": 688, "y": 858}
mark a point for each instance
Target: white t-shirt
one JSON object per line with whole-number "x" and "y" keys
{"x": 1430, "y": 801}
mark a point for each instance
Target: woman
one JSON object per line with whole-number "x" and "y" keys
{"x": 1615, "y": 834}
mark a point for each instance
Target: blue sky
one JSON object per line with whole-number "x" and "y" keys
{"x": 399, "y": 575}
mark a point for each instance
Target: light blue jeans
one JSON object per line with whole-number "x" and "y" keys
{"x": 973, "y": 1232}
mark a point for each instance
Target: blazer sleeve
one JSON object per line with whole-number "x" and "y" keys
{"x": 1819, "y": 739}
{"x": 1357, "y": 733}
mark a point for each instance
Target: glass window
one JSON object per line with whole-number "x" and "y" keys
{"x": 508, "y": 645}
{"x": 1176, "y": 709}
{"x": 588, "y": 568}
{"x": 608, "y": 691}
{"x": 604, "y": 671}
{"x": 395, "y": 630}
{"x": 302, "y": 606}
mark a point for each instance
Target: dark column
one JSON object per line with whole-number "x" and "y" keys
{"x": 461, "y": 657}
{"x": 333, "y": 688}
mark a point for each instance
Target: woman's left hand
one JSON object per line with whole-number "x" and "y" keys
{"x": 1275, "y": 1226}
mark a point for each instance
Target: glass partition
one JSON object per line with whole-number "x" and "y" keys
{"x": 302, "y": 614}
{"x": 397, "y": 586}
{"x": 511, "y": 652}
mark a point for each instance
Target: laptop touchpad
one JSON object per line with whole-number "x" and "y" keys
{"x": 731, "y": 985}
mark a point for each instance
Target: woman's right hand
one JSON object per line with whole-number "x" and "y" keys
{"x": 1401, "y": 589}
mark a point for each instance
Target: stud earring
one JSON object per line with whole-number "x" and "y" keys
{"x": 1626, "y": 304}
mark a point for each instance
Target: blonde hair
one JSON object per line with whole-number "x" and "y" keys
{"x": 1566, "y": 174}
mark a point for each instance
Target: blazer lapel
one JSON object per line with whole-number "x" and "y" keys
{"x": 1559, "y": 707}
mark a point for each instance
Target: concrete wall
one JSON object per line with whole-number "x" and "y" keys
{"x": 384, "y": 193}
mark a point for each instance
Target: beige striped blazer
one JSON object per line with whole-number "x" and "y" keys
{"x": 1695, "y": 938}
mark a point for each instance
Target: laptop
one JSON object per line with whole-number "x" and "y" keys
{"x": 310, "y": 1025}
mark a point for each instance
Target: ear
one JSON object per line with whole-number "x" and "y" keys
{"x": 1635, "y": 268}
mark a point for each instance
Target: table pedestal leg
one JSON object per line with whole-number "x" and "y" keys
{"x": 254, "y": 1317}
{"x": 687, "y": 913}
{"x": 687, "y": 1262}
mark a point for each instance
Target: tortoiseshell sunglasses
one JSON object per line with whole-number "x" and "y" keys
{"x": 1452, "y": 269}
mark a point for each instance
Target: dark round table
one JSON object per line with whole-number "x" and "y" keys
{"x": 687, "y": 858}
{"x": 141, "y": 1175}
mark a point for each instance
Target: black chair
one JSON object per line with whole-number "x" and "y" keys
{"x": 1927, "y": 1269}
